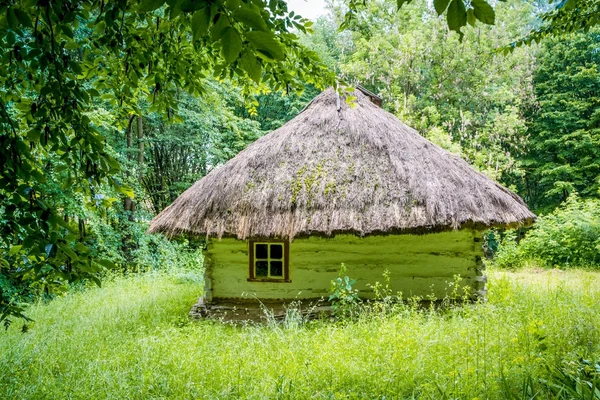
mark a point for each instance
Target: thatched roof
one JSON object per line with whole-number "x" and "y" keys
{"x": 339, "y": 168}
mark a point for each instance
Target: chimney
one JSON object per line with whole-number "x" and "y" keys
{"x": 378, "y": 101}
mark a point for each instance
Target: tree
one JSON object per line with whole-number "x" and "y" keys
{"x": 275, "y": 109}
{"x": 566, "y": 16}
{"x": 564, "y": 127}
{"x": 58, "y": 57}
{"x": 461, "y": 95}
{"x": 209, "y": 134}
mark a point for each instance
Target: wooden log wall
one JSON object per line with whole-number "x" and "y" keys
{"x": 419, "y": 265}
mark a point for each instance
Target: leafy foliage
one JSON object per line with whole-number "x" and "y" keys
{"x": 128, "y": 245}
{"x": 275, "y": 109}
{"x": 567, "y": 16}
{"x": 564, "y": 128}
{"x": 60, "y": 57}
{"x": 569, "y": 236}
{"x": 575, "y": 380}
{"x": 343, "y": 296}
{"x": 458, "y": 12}
{"x": 463, "y": 96}
{"x": 508, "y": 255}
{"x": 562, "y": 17}
{"x": 178, "y": 154}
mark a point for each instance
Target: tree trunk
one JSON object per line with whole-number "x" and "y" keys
{"x": 140, "y": 137}
{"x": 128, "y": 204}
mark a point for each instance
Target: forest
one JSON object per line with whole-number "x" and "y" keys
{"x": 109, "y": 111}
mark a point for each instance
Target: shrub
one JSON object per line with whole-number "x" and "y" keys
{"x": 569, "y": 236}
{"x": 130, "y": 247}
{"x": 509, "y": 255}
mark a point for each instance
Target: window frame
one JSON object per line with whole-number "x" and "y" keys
{"x": 252, "y": 261}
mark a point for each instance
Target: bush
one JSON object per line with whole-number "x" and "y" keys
{"x": 509, "y": 255}
{"x": 132, "y": 249}
{"x": 126, "y": 244}
{"x": 569, "y": 236}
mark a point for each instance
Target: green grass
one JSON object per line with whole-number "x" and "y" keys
{"x": 131, "y": 340}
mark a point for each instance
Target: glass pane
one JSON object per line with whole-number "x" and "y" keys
{"x": 262, "y": 268}
{"x": 276, "y": 268}
{"x": 261, "y": 251}
{"x": 277, "y": 251}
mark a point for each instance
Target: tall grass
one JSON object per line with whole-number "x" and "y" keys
{"x": 132, "y": 339}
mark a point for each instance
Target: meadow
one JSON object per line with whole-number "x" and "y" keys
{"x": 537, "y": 336}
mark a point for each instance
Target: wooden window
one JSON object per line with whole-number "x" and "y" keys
{"x": 269, "y": 261}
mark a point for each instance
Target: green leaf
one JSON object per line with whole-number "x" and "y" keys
{"x": 113, "y": 164}
{"x": 252, "y": 66}
{"x": 34, "y": 135}
{"x": 38, "y": 175}
{"x": 82, "y": 249}
{"x": 11, "y": 18}
{"x": 400, "y": 3}
{"x": 68, "y": 252}
{"x": 67, "y": 31}
{"x": 231, "y": 44}
{"x": 127, "y": 191}
{"x": 219, "y": 27}
{"x": 457, "y": 15}
{"x": 251, "y": 18}
{"x": 200, "y": 22}
{"x": 471, "y": 17}
{"x": 266, "y": 44}
{"x": 96, "y": 280}
{"x": 440, "y": 6}
{"x": 569, "y": 4}
{"x": 23, "y": 18}
{"x": 232, "y": 4}
{"x": 484, "y": 12}
{"x": 14, "y": 250}
{"x": 150, "y": 5}
{"x": 189, "y": 5}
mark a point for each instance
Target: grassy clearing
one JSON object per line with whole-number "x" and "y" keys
{"x": 131, "y": 339}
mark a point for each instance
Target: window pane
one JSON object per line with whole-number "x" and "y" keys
{"x": 261, "y": 251}
{"x": 276, "y": 268}
{"x": 277, "y": 251}
{"x": 262, "y": 268}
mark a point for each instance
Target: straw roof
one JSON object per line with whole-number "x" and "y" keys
{"x": 339, "y": 168}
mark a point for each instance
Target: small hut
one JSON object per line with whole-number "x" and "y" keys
{"x": 341, "y": 183}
